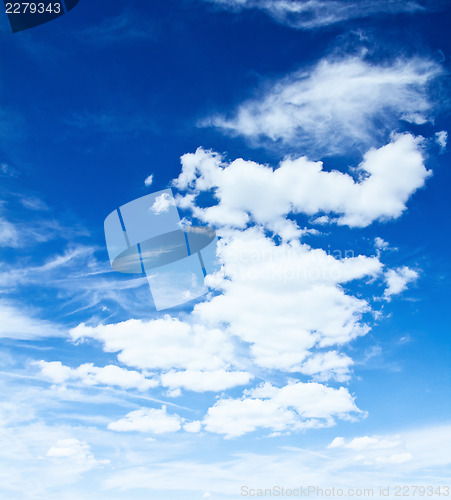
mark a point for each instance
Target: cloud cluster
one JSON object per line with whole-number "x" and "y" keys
{"x": 293, "y": 407}
{"x": 248, "y": 192}
{"x": 284, "y": 301}
{"x": 189, "y": 356}
{"x": 337, "y": 105}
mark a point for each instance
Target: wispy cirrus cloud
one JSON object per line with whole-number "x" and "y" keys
{"x": 24, "y": 324}
{"x": 312, "y": 14}
{"x": 337, "y": 105}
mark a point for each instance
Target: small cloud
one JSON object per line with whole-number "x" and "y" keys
{"x": 380, "y": 244}
{"x": 33, "y": 203}
{"x": 441, "y": 138}
{"x": 174, "y": 393}
{"x": 337, "y": 443}
{"x": 162, "y": 203}
{"x": 148, "y": 420}
{"x": 149, "y": 180}
{"x": 397, "y": 280}
{"x": 324, "y": 219}
{"x": 7, "y": 170}
{"x": 75, "y": 451}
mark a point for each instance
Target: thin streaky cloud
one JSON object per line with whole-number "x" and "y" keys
{"x": 335, "y": 106}
{"x": 312, "y": 14}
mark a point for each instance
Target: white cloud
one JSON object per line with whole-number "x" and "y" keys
{"x": 193, "y": 427}
{"x": 201, "y": 381}
{"x": 329, "y": 365}
{"x": 9, "y": 236}
{"x": 162, "y": 203}
{"x": 165, "y": 343}
{"x": 91, "y": 375}
{"x": 441, "y": 138}
{"x": 285, "y": 300}
{"x": 20, "y": 323}
{"x": 278, "y": 304}
{"x": 337, "y": 442}
{"x": 337, "y": 105}
{"x": 148, "y": 420}
{"x": 313, "y": 14}
{"x": 398, "y": 279}
{"x": 148, "y": 181}
{"x": 75, "y": 451}
{"x": 380, "y": 244}
{"x": 293, "y": 407}
{"x": 249, "y": 192}
{"x": 368, "y": 442}
{"x": 398, "y": 458}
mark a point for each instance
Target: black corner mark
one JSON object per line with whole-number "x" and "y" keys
{"x": 24, "y": 15}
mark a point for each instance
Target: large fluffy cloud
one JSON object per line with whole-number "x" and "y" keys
{"x": 248, "y": 192}
{"x": 164, "y": 343}
{"x": 295, "y": 406}
{"x": 336, "y": 105}
{"x": 286, "y": 300}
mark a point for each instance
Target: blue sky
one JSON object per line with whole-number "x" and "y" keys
{"x": 321, "y": 355}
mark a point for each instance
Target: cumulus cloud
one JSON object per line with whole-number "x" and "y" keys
{"x": 148, "y": 420}
{"x": 91, "y": 375}
{"x": 302, "y": 14}
{"x": 336, "y": 105}
{"x": 249, "y": 192}
{"x": 162, "y": 203}
{"x": 380, "y": 243}
{"x": 293, "y": 407}
{"x": 285, "y": 300}
{"x": 398, "y": 279}
{"x": 148, "y": 180}
{"x": 165, "y": 343}
{"x": 279, "y": 303}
